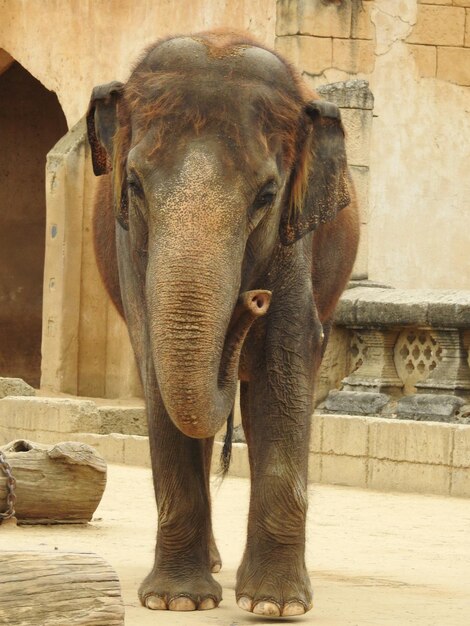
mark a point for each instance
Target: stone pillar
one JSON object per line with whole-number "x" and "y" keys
{"x": 452, "y": 373}
{"x": 377, "y": 372}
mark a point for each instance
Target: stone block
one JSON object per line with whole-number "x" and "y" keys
{"x": 425, "y": 58}
{"x": 344, "y": 470}
{"x": 360, "y": 176}
{"x": 460, "y": 483}
{"x": 429, "y": 407}
{"x": 354, "y": 55}
{"x": 355, "y": 402}
{"x": 443, "y": 2}
{"x": 439, "y": 26}
{"x": 409, "y": 477}
{"x": 316, "y": 433}
{"x": 461, "y": 456}
{"x": 314, "y": 468}
{"x": 345, "y": 435}
{"x": 335, "y": 364}
{"x": 453, "y": 64}
{"x": 467, "y": 27}
{"x": 361, "y": 264}
{"x": 358, "y": 125}
{"x": 137, "y": 451}
{"x": 111, "y": 447}
{"x": 345, "y": 313}
{"x": 449, "y": 308}
{"x": 457, "y": 3}
{"x": 348, "y": 94}
{"x": 312, "y": 55}
{"x": 313, "y": 17}
{"x": 415, "y": 442}
{"x": 362, "y": 26}
{"x": 129, "y": 420}
{"x": 391, "y": 307}
{"x": 15, "y": 387}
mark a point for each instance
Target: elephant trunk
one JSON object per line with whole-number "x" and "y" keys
{"x": 197, "y": 333}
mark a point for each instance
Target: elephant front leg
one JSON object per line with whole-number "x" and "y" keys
{"x": 180, "y": 579}
{"x": 272, "y": 579}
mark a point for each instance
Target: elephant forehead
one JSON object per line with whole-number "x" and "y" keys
{"x": 198, "y": 184}
{"x": 217, "y": 54}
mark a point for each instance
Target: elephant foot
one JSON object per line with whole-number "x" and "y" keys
{"x": 214, "y": 556}
{"x": 161, "y": 592}
{"x": 271, "y": 588}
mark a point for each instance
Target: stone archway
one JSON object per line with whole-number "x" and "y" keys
{"x": 31, "y": 122}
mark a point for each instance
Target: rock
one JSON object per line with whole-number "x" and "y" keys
{"x": 429, "y": 407}
{"x": 355, "y": 402}
{"x": 238, "y": 434}
{"x": 15, "y": 387}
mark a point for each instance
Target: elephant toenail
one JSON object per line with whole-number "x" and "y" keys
{"x": 155, "y": 603}
{"x": 245, "y": 603}
{"x": 182, "y": 603}
{"x": 293, "y": 608}
{"x": 207, "y": 604}
{"x": 216, "y": 568}
{"x": 267, "y": 608}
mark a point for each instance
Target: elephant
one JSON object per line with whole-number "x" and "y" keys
{"x": 225, "y": 228}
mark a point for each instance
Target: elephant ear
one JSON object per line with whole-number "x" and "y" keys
{"x": 102, "y": 125}
{"x": 319, "y": 184}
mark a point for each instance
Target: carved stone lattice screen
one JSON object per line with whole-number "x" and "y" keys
{"x": 408, "y": 353}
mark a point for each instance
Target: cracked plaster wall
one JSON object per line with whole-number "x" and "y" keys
{"x": 416, "y": 57}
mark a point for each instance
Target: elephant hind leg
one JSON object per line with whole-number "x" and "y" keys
{"x": 214, "y": 554}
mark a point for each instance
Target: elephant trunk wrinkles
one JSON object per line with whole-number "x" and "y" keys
{"x": 197, "y": 335}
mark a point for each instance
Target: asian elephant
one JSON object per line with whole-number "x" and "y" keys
{"x": 225, "y": 231}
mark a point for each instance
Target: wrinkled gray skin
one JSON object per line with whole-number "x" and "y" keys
{"x": 207, "y": 253}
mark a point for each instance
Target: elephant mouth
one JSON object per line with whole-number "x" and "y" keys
{"x": 249, "y": 307}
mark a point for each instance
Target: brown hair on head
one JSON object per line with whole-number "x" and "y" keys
{"x": 168, "y": 102}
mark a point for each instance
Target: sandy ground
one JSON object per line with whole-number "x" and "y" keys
{"x": 375, "y": 559}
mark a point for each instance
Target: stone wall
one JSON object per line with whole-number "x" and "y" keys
{"x": 416, "y": 57}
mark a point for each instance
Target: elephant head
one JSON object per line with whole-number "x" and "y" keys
{"x": 217, "y": 157}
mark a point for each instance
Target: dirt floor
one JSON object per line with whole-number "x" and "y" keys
{"x": 375, "y": 559}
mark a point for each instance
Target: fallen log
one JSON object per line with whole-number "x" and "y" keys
{"x": 61, "y": 483}
{"x": 58, "y": 589}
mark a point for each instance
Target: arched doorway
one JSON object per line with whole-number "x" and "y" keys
{"x": 31, "y": 122}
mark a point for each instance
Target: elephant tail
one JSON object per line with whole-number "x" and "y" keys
{"x": 226, "y": 453}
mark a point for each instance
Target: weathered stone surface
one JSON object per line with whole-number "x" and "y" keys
{"x": 349, "y": 94}
{"x": 360, "y": 176}
{"x": 130, "y": 420}
{"x": 354, "y": 55}
{"x": 344, "y": 435}
{"x": 430, "y": 407}
{"x": 362, "y": 26}
{"x": 310, "y": 54}
{"x": 15, "y": 387}
{"x": 439, "y": 25}
{"x": 453, "y": 64}
{"x": 238, "y": 434}
{"x": 404, "y": 307}
{"x": 313, "y": 17}
{"x": 355, "y": 403}
{"x": 358, "y": 125}
{"x": 425, "y": 58}
{"x": 467, "y": 27}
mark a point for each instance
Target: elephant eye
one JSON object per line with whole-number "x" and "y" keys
{"x": 266, "y": 195}
{"x": 134, "y": 185}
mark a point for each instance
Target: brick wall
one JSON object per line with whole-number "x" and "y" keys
{"x": 440, "y": 40}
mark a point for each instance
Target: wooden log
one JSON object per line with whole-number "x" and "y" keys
{"x": 58, "y": 589}
{"x": 60, "y": 483}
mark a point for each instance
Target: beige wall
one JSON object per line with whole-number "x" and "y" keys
{"x": 73, "y": 45}
{"x": 416, "y": 57}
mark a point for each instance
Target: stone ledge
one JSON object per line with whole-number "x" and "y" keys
{"x": 375, "y": 453}
{"x": 378, "y": 307}
{"x": 351, "y": 94}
